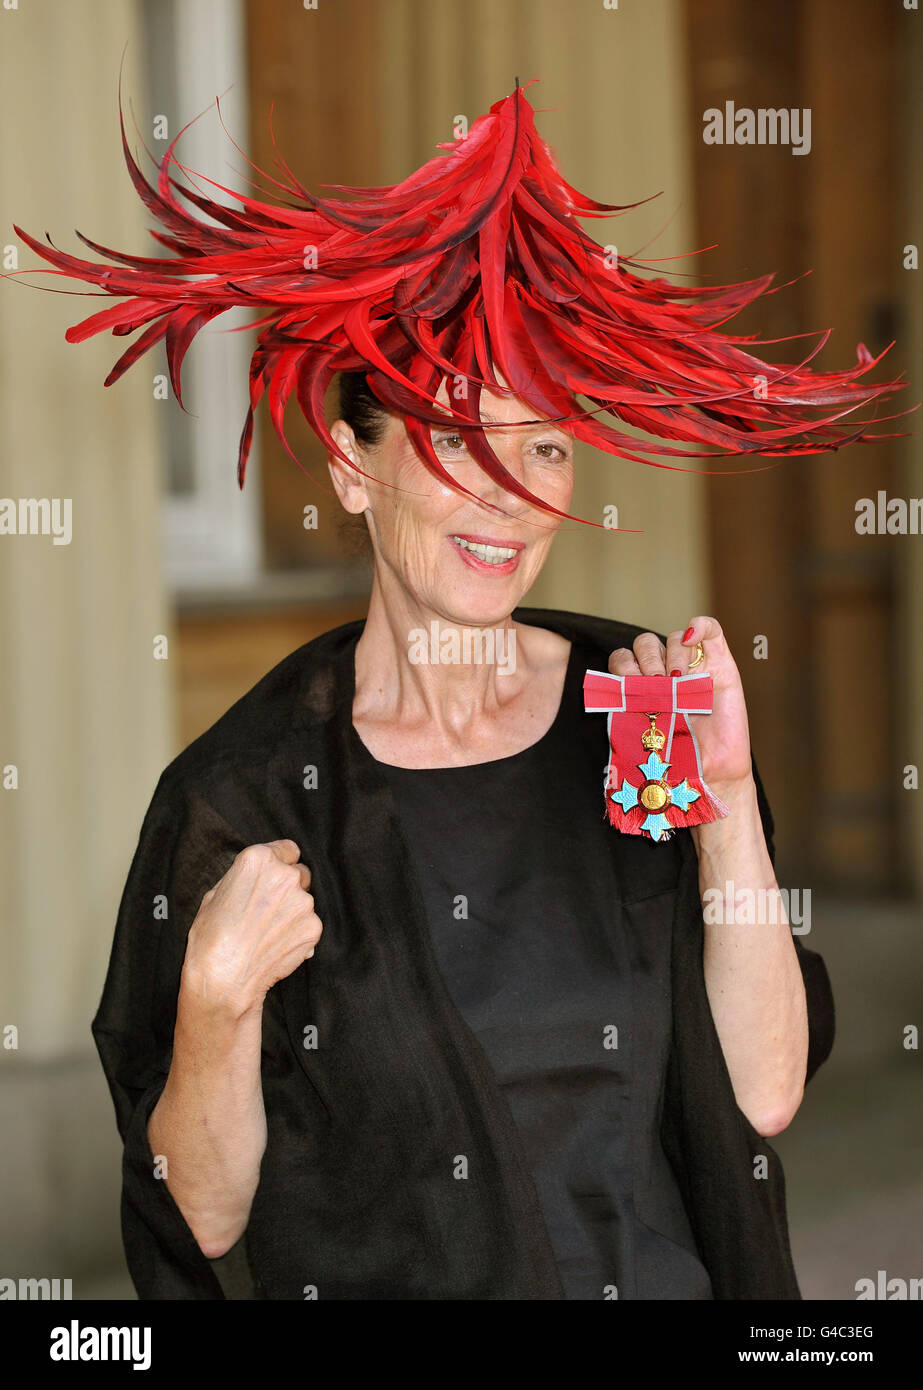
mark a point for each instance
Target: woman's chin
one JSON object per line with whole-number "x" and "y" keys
{"x": 472, "y": 606}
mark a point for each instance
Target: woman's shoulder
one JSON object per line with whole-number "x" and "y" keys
{"x": 297, "y": 693}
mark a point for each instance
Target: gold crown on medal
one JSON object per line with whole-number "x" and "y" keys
{"x": 653, "y": 739}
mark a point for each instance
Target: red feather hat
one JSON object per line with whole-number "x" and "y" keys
{"x": 473, "y": 266}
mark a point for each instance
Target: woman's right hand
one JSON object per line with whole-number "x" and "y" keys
{"x": 253, "y": 928}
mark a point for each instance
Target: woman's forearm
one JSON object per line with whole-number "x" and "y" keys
{"x": 209, "y": 1123}
{"x": 252, "y": 929}
{"x": 752, "y": 976}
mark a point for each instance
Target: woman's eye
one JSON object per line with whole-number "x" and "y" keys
{"x": 455, "y": 444}
{"x": 548, "y": 450}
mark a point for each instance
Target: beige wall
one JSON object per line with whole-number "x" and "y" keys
{"x": 85, "y": 711}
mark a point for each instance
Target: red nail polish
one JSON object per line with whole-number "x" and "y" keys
{"x": 688, "y": 633}
{"x": 677, "y": 672}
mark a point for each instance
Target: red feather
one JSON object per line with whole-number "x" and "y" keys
{"x": 475, "y": 264}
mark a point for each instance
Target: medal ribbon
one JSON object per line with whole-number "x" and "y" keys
{"x": 653, "y": 790}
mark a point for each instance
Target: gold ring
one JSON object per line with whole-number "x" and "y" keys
{"x": 699, "y": 656}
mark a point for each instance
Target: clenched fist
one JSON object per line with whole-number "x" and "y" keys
{"x": 253, "y": 928}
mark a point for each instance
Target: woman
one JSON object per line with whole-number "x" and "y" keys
{"x": 538, "y": 970}
{"x": 392, "y": 1011}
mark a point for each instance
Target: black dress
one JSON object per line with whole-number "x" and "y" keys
{"x": 566, "y": 989}
{"x": 358, "y": 1197}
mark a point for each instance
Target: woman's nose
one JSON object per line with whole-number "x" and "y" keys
{"x": 509, "y": 450}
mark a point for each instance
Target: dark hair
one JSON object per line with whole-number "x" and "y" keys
{"x": 365, "y": 415}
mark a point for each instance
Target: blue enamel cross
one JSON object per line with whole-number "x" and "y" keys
{"x": 660, "y": 795}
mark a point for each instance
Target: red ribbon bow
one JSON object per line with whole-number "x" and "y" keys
{"x": 654, "y": 781}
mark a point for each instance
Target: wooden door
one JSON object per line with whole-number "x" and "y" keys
{"x": 787, "y": 562}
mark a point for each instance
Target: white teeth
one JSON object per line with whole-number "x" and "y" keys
{"x": 490, "y": 554}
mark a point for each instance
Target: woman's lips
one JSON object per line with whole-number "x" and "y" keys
{"x": 492, "y": 557}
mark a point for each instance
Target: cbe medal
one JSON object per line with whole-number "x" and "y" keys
{"x": 663, "y": 791}
{"x": 656, "y": 794}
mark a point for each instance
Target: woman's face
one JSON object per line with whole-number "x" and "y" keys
{"x": 429, "y": 540}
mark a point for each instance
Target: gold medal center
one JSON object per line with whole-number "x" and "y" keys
{"x": 653, "y": 796}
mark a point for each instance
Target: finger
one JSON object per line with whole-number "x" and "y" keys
{"x": 702, "y": 629}
{"x": 708, "y": 631}
{"x": 306, "y": 932}
{"x": 293, "y": 875}
{"x": 678, "y": 656}
{"x": 299, "y": 908}
{"x": 288, "y": 882}
{"x": 286, "y": 850}
{"x": 288, "y": 963}
{"x": 622, "y": 663}
{"x": 650, "y": 654}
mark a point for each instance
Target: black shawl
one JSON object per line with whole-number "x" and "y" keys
{"x": 357, "y": 1196}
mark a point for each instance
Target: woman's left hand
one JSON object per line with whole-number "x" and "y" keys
{"x": 724, "y": 735}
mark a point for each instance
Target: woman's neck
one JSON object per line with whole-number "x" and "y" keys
{"x": 436, "y": 687}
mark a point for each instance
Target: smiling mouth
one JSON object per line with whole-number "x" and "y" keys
{"x": 487, "y": 554}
